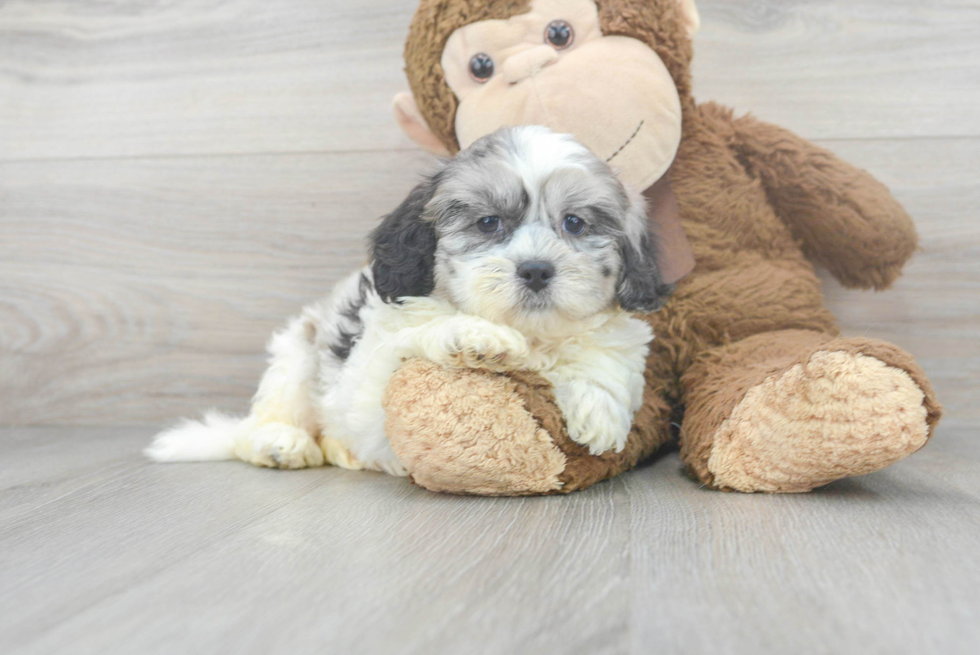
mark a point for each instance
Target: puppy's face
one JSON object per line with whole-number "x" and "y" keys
{"x": 526, "y": 228}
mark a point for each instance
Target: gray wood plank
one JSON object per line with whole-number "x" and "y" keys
{"x": 876, "y": 564}
{"x": 227, "y": 558}
{"x": 222, "y": 557}
{"x": 834, "y": 69}
{"x": 73, "y": 550}
{"x": 92, "y": 79}
{"x": 41, "y": 466}
{"x": 137, "y": 291}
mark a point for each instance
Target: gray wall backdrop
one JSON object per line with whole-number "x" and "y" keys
{"x": 176, "y": 178}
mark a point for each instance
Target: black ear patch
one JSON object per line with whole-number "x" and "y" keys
{"x": 403, "y": 248}
{"x": 641, "y": 286}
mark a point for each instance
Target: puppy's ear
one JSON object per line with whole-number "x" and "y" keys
{"x": 403, "y": 248}
{"x": 641, "y": 285}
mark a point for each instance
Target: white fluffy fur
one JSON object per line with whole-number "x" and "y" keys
{"x": 595, "y": 365}
{"x": 211, "y": 439}
{"x": 314, "y": 405}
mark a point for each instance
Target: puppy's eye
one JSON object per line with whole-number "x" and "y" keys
{"x": 481, "y": 67}
{"x": 559, "y": 34}
{"x": 489, "y": 224}
{"x": 573, "y": 225}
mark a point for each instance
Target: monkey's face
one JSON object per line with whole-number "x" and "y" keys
{"x": 553, "y": 66}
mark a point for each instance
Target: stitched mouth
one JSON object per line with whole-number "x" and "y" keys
{"x": 628, "y": 141}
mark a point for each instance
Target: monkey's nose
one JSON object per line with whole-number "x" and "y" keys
{"x": 536, "y": 274}
{"x": 525, "y": 64}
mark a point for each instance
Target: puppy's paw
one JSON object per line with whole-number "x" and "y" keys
{"x": 279, "y": 445}
{"x": 481, "y": 344}
{"x": 593, "y": 417}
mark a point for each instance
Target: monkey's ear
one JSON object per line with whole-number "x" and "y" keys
{"x": 410, "y": 119}
{"x": 403, "y": 248}
{"x": 690, "y": 16}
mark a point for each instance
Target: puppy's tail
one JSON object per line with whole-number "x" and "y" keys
{"x": 212, "y": 439}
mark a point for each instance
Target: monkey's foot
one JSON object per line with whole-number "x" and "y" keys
{"x": 468, "y": 431}
{"x": 840, "y": 412}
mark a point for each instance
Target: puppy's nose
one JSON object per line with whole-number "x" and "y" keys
{"x": 536, "y": 274}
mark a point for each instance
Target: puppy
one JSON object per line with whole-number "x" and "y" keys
{"x": 524, "y": 252}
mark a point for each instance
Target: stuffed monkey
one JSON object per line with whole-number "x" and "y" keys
{"x": 746, "y": 357}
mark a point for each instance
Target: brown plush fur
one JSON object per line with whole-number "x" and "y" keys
{"x": 721, "y": 377}
{"x": 758, "y": 204}
{"x": 425, "y": 437}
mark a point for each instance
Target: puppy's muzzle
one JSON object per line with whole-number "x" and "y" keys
{"x": 536, "y": 274}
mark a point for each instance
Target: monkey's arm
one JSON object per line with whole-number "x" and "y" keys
{"x": 847, "y": 220}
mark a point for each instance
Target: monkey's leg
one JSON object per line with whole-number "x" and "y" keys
{"x": 476, "y": 432}
{"x": 792, "y": 410}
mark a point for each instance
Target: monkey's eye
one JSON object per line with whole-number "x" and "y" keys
{"x": 559, "y": 34}
{"x": 481, "y": 67}
{"x": 489, "y": 224}
{"x": 573, "y": 225}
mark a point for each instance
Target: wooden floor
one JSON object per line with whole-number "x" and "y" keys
{"x": 103, "y": 552}
{"x": 178, "y": 176}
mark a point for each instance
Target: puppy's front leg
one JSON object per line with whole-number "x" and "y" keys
{"x": 599, "y": 385}
{"x": 595, "y": 416}
{"x": 464, "y": 341}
